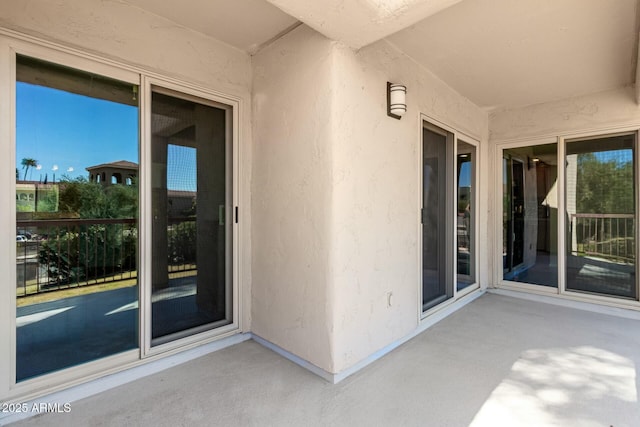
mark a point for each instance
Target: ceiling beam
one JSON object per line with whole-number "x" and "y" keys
{"x": 362, "y": 22}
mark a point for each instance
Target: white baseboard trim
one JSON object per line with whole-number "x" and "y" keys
{"x": 81, "y": 391}
{"x": 335, "y": 378}
{"x": 570, "y": 303}
{"x": 425, "y": 324}
{"x": 295, "y": 359}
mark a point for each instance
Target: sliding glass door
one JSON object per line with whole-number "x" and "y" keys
{"x": 437, "y": 216}
{"x": 192, "y": 216}
{"x": 601, "y": 216}
{"x": 448, "y": 215}
{"x": 530, "y": 215}
{"x": 466, "y": 215}
{"x": 592, "y": 220}
{"x": 123, "y": 244}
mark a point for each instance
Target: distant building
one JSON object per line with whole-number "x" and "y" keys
{"x": 32, "y": 196}
{"x": 179, "y": 202}
{"x": 120, "y": 172}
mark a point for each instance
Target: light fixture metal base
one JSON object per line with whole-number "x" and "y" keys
{"x": 389, "y": 113}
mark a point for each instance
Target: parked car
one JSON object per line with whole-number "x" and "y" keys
{"x": 24, "y": 233}
{"x": 21, "y": 238}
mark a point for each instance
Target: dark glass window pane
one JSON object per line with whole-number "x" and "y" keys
{"x": 465, "y": 220}
{"x": 191, "y": 203}
{"x": 530, "y": 215}
{"x": 600, "y": 199}
{"x": 436, "y": 218}
{"x": 76, "y": 235}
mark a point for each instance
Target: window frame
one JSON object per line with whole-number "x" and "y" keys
{"x": 13, "y": 44}
{"x": 451, "y": 256}
{"x": 561, "y": 291}
{"x": 164, "y": 86}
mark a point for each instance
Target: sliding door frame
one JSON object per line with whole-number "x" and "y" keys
{"x": 561, "y": 291}
{"x": 12, "y": 48}
{"x": 13, "y": 44}
{"x": 198, "y": 95}
{"x": 451, "y": 263}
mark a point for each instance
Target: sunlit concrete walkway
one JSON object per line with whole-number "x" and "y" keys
{"x": 499, "y": 361}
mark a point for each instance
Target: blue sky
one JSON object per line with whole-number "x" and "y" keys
{"x": 70, "y": 132}
{"x": 66, "y": 133}
{"x": 465, "y": 175}
{"x": 620, "y": 156}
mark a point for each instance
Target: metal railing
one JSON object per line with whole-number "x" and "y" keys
{"x": 69, "y": 253}
{"x": 607, "y": 236}
{"x": 60, "y": 254}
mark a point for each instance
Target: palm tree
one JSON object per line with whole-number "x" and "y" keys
{"x": 28, "y": 162}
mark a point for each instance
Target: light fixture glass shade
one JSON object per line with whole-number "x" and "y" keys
{"x": 397, "y": 99}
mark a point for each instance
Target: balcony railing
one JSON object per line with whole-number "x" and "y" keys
{"x": 69, "y": 253}
{"x": 74, "y": 252}
{"x": 606, "y": 236}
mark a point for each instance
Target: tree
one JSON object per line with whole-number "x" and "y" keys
{"x": 28, "y": 162}
{"x": 604, "y": 186}
{"x": 80, "y": 252}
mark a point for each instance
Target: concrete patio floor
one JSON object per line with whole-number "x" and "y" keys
{"x": 499, "y": 361}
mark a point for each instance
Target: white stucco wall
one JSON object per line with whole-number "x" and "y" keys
{"x": 336, "y": 195}
{"x": 116, "y": 30}
{"x": 293, "y": 95}
{"x": 598, "y": 111}
{"x": 377, "y": 190}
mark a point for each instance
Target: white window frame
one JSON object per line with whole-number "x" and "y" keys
{"x": 231, "y": 106}
{"x": 561, "y": 291}
{"x": 12, "y": 44}
{"x": 452, "y": 232}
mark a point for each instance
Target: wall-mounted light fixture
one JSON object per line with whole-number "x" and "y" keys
{"x": 396, "y": 100}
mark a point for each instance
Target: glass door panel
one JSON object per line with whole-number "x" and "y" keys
{"x": 192, "y": 216}
{"x": 530, "y": 215}
{"x": 437, "y": 260}
{"x": 76, "y": 211}
{"x": 465, "y": 219}
{"x": 601, "y": 212}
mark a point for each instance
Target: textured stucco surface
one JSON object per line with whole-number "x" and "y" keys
{"x": 118, "y": 30}
{"x": 359, "y": 23}
{"x": 505, "y": 53}
{"x": 293, "y": 95}
{"x": 585, "y": 113}
{"x": 376, "y": 193}
{"x": 336, "y": 195}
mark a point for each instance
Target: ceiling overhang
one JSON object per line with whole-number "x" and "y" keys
{"x": 361, "y": 22}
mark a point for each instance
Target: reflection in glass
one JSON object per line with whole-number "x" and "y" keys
{"x": 530, "y": 215}
{"x": 192, "y": 216}
{"x": 76, "y": 235}
{"x": 436, "y": 277}
{"x": 600, "y": 199}
{"x": 465, "y": 225}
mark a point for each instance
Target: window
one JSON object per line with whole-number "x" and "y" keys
{"x": 76, "y": 267}
{"x": 592, "y": 221}
{"x": 466, "y": 215}
{"x": 448, "y": 216}
{"x": 192, "y": 216}
{"x": 437, "y": 216}
{"x": 112, "y": 227}
{"x": 601, "y": 216}
{"x": 530, "y": 215}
